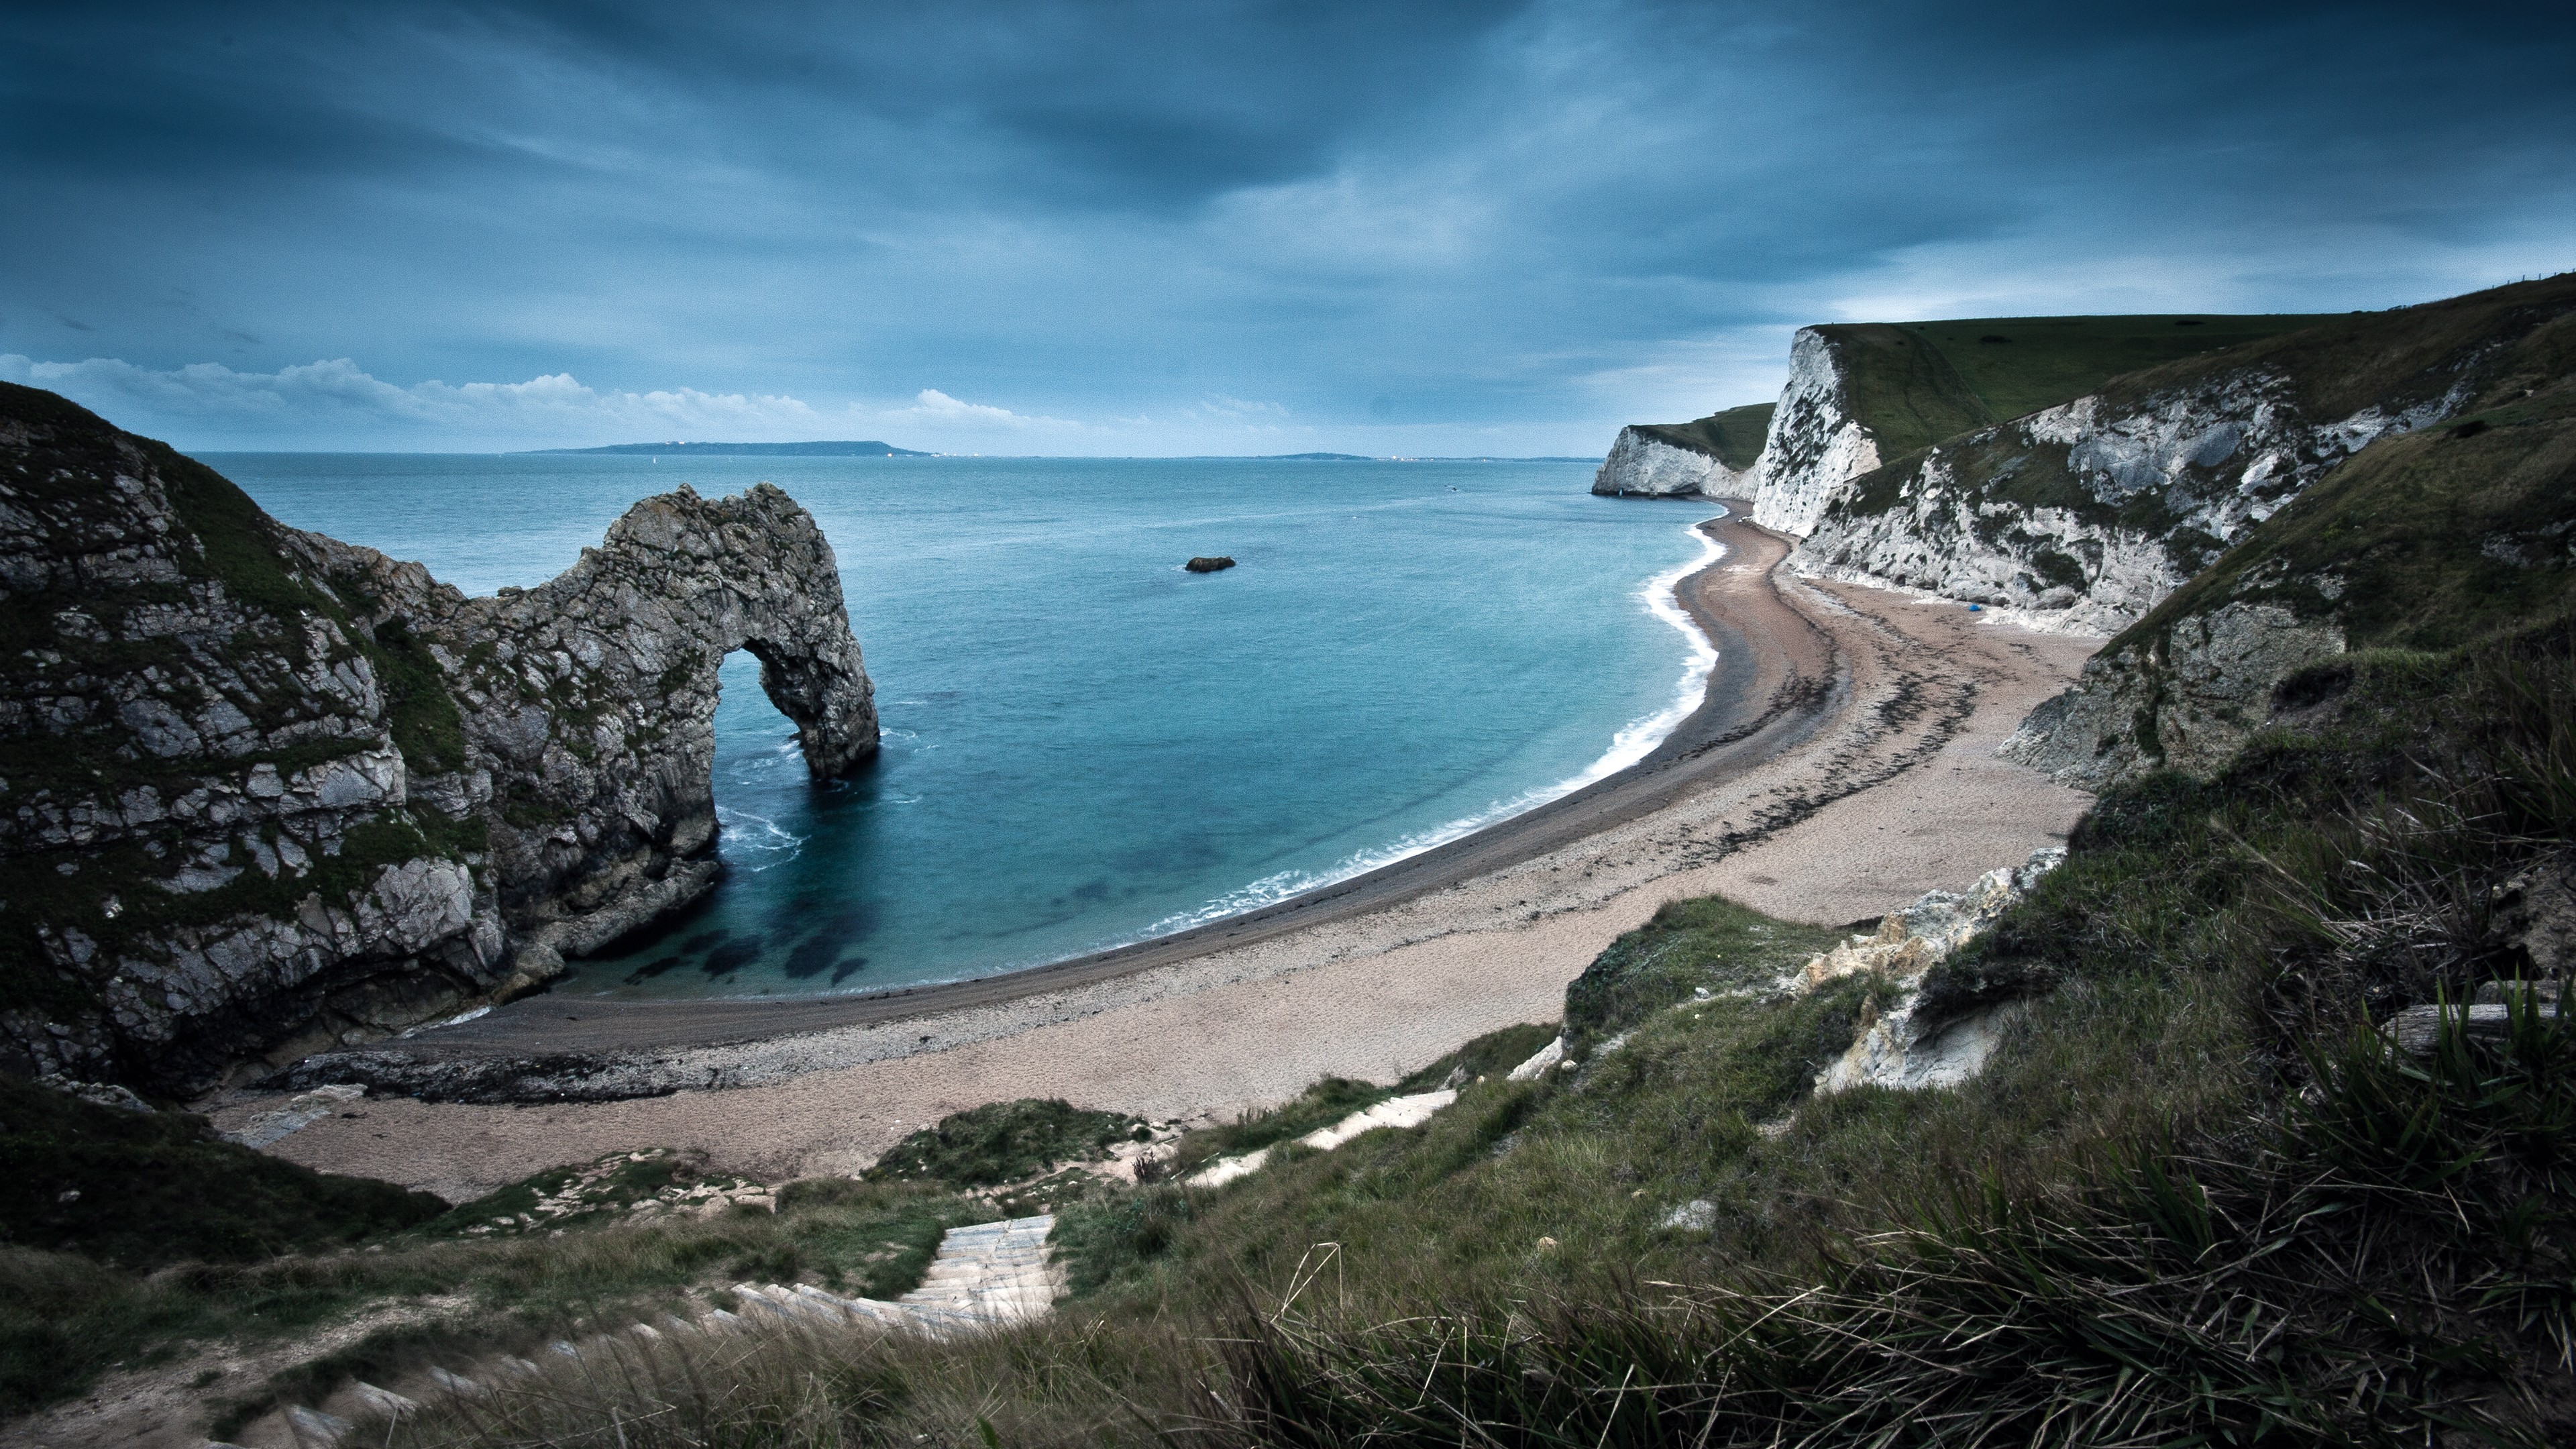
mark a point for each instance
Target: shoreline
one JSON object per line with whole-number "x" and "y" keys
{"x": 1747, "y": 712}
{"x": 1662, "y": 596}
{"x": 1848, "y": 766}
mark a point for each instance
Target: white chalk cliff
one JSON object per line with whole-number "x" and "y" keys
{"x": 1641, "y": 465}
{"x": 1815, "y": 447}
{"x": 2090, "y": 513}
{"x": 2096, "y": 510}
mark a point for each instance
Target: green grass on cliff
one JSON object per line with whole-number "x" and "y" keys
{"x": 1003, "y": 1142}
{"x": 2019, "y": 365}
{"x": 144, "y": 1189}
{"x": 110, "y": 893}
{"x": 1914, "y": 384}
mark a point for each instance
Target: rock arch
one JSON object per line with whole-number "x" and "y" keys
{"x": 262, "y": 791}
{"x": 589, "y": 701}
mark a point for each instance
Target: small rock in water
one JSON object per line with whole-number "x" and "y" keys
{"x": 1204, "y": 565}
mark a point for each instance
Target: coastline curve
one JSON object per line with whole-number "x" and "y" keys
{"x": 1773, "y": 679}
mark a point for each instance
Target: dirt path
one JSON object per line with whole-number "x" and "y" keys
{"x": 1844, "y": 765}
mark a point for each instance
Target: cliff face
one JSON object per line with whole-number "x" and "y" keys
{"x": 262, "y": 791}
{"x": 1816, "y": 445}
{"x": 1641, "y": 465}
{"x": 2423, "y": 540}
{"x": 1710, "y": 457}
{"x": 587, "y": 704}
{"x": 2095, "y": 510}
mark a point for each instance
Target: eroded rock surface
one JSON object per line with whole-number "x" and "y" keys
{"x": 1903, "y": 1045}
{"x": 2185, "y": 698}
{"x": 2097, "y": 510}
{"x": 2090, "y": 513}
{"x": 587, "y": 704}
{"x": 2424, "y": 540}
{"x": 263, "y": 791}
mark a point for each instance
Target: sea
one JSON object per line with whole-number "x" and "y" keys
{"x": 1084, "y": 745}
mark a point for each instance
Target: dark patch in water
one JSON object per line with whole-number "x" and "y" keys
{"x": 1097, "y": 890}
{"x": 838, "y": 928}
{"x": 850, "y": 966}
{"x": 812, "y": 958}
{"x": 651, "y": 969}
{"x": 703, "y": 941}
{"x": 732, "y": 955}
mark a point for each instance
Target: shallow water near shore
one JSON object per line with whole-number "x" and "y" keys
{"x": 1083, "y": 744}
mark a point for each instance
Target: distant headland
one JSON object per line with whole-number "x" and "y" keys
{"x": 867, "y": 449}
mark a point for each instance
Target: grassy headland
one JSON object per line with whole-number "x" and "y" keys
{"x": 1733, "y": 437}
{"x": 2196, "y": 1195}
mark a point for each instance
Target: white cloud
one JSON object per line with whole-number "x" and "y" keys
{"x": 337, "y": 402}
{"x": 1220, "y": 405}
{"x": 1673, "y": 380}
{"x": 938, "y": 407}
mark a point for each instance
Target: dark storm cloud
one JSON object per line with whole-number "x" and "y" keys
{"x": 1156, "y": 227}
{"x": 1162, "y": 102}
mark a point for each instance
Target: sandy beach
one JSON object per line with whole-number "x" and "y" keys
{"x": 1840, "y": 764}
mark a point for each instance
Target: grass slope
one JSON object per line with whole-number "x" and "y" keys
{"x": 144, "y": 1189}
{"x": 2018, "y": 365}
{"x": 441, "y": 1285}
{"x": 1003, "y": 1142}
{"x": 1913, "y": 384}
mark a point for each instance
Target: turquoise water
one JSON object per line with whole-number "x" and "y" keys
{"x": 1084, "y": 745}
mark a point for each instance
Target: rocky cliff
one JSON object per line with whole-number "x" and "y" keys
{"x": 1817, "y": 444}
{"x": 264, "y": 791}
{"x": 1863, "y": 393}
{"x": 2094, "y": 510}
{"x": 2421, "y": 541}
{"x": 1710, "y": 457}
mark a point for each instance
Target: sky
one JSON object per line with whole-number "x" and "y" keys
{"x": 1191, "y": 228}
